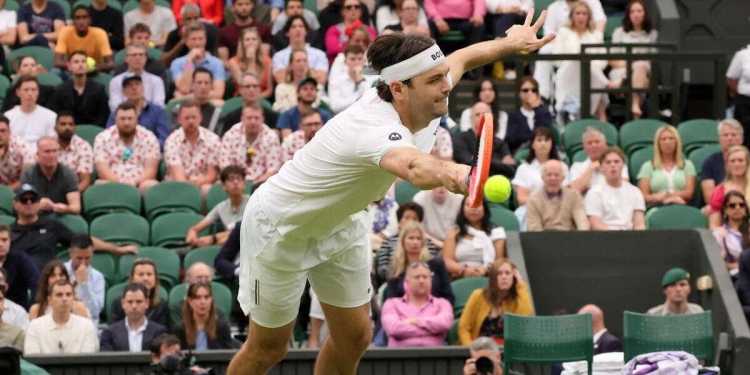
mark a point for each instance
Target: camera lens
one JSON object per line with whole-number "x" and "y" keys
{"x": 485, "y": 366}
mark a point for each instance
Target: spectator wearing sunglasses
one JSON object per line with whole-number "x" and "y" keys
{"x": 530, "y": 115}
{"x": 734, "y": 233}
{"x": 39, "y": 236}
{"x": 127, "y": 152}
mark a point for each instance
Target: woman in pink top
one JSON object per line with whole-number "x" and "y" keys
{"x": 737, "y": 162}
{"x": 337, "y": 35}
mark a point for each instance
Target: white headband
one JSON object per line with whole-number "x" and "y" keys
{"x": 410, "y": 67}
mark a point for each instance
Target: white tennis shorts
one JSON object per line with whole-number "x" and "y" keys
{"x": 273, "y": 268}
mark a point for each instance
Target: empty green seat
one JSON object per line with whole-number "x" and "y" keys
{"x": 692, "y": 333}
{"x": 573, "y": 134}
{"x": 675, "y": 217}
{"x": 121, "y": 228}
{"x": 75, "y": 223}
{"x": 106, "y": 264}
{"x": 462, "y": 289}
{"x": 231, "y": 105}
{"x": 6, "y": 200}
{"x": 7, "y": 219}
{"x": 104, "y": 79}
{"x": 698, "y": 132}
{"x": 638, "y": 134}
{"x": 170, "y": 197}
{"x": 503, "y": 217}
{"x": 170, "y": 230}
{"x": 547, "y": 340}
{"x": 111, "y": 197}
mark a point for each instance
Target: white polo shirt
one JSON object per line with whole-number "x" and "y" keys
{"x": 739, "y": 69}
{"x": 337, "y": 174}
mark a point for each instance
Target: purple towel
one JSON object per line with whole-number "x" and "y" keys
{"x": 662, "y": 363}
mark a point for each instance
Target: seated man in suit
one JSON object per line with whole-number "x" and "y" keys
{"x": 604, "y": 341}
{"x": 135, "y": 332}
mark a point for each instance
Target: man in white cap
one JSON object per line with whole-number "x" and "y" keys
{"x": 308, "y": 221}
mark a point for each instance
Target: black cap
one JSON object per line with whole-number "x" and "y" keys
{"x": 307, "y": 80}
{"x": 129, "y": 77}
{"x": 25, "y": 189}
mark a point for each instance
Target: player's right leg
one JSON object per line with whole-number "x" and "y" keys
{"x": 264, "y": 348}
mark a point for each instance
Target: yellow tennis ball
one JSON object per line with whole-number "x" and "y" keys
{"x": 91, "y": 63}
{"x": 497, "y": 189}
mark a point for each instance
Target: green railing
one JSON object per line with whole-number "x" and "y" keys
{"x": 665, "y": 74}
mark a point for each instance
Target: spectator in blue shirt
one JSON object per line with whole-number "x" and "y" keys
{"x": 89, "y": 283}
{"x": 307, "y": 92}
{"x": 713, "y": 172}
{"x": 150, "y": 115}
{"x": 182, "y": 68}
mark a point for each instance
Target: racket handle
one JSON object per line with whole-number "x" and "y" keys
{"x": 468, "y": 179}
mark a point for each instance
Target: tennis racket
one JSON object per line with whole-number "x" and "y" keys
{"x": 480, "y": 164}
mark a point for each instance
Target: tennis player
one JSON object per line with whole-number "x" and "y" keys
{"x": 309, "y": 220}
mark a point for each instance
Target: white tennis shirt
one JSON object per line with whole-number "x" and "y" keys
{"x": 337, "y": 174}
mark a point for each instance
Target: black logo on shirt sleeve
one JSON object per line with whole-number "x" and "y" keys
{"x": 394, "y": 137}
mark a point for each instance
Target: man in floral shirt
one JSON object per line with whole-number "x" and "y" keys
{"x": 192, "y": 151}
{"x": 309, "y": 125}
{"x": 127, "y": 152}
{"x": 15, "y": 155}
{"x": 252, "y": 145}
{"x": 75, "y": 152}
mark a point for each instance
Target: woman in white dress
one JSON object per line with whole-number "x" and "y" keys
{"x": 637, "y": 27}
{"x": 580, "y": 30}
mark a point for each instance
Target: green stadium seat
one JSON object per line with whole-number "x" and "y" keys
{"x": 636, "y": 162}
{"x": 11, "y": 5}
{"x": 114, "y": 292}
{"x": 88, "y": 132}
{"x": 49, "y": 79}
{"x": 104, "y": 79}
{"x": 311, "y": 5}
{"x": 692, "y": 333}
{"x": 222, "y": 300}
{"x": 638, "y": 134}
{"x": 129, "y": 5}
{"x": 265, "y": 103}
{"x": 675, "y": 217}
{"x": 171, "y": 196}
{"x": 4, "y": 85}
{"x": 121, "y": 228}
{"x": 7, "y": 219}
{"x": 547, "y": 339}
{"x": 111, "y": 197}
{"x": 503, "y": 217}
{"x": 521, "y": 155}
{"x": 164, "y": 3}
{"x": 580, "y": 156}
{"x": 613, "y": 22}
{"x": 75, "y": 223}
{"x": 170, "y": 230}
{"x": 107, "y": 265}
{"x": 6, "y": 200}
{"x": 698, "y": 132}
{"x": 206, "y": 254}
{"x": 572, "y": 137}
{"x": 172, "y": 106}
{"x": 43, "y": 55}
{"x": 462, "y": 289}
{"x": 452, "y": 338}
{"x": 405, "y": 192}
{"x": 66, "y": 7}
{"x": 231, "y": 105}
{"x": 162, "y": 172}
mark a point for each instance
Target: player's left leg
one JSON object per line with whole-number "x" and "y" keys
{"x": 350, "y": 334}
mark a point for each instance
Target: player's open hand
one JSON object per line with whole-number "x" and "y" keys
{"x": 523, "y": 37}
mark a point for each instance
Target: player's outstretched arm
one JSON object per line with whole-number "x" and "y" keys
{"x": 520, "y": 38}
{"x": 425, "y": 171}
